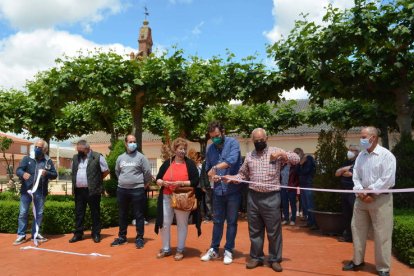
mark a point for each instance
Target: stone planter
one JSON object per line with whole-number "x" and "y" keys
{"x": 329, "y": 223}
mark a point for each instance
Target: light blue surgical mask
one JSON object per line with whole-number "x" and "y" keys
{"x": 132, "y": 147}
{"x": 365, "y": 144}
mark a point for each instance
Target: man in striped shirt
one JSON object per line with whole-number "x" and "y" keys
{"x": 374, "y": 170}
{"x": 262, "y": 166}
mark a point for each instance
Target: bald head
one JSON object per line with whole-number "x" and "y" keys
{"x": 259, "y": 132}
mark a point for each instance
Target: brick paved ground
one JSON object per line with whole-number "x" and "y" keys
{"x": 304, "y": 253}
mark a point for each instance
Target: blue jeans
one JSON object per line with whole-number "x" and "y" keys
{"x": 307, "y": 204}
{"x": 225, "y": 207}
{"x": 25, "y": 200}
{"x": 288, "y": 198}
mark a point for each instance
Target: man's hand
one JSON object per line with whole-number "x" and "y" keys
{"x": 212, "y": 172}
{"x": 26, "y": 176}
{"x": 278, "y": 155}
{"x": 365, "y": 197}
{"x": 230, "y": 179}
{"x": 44, "y": 172}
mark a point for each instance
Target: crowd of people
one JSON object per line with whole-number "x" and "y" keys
{"x": 264, "y": 186}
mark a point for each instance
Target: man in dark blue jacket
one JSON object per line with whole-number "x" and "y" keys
{"x": 28, "y": 171}
{"x": 223, "y": 158}
{"x": 306, "y": 171}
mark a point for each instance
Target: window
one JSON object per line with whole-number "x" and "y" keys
{"x": 153, "y": 164}
{"x": 23, "y": 149}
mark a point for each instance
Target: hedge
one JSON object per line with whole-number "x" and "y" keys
{"x": 403, "y": 237}
{"x": 59, "y": 214}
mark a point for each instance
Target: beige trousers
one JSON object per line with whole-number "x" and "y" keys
{"x": 379, "y": 216}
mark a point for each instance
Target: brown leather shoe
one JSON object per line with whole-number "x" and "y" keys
{"x": 253, "y": 264}
{"x": 277, "y": 267}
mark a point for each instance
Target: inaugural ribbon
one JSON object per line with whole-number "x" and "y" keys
{"x": 31, "y": 192}
{"x": 407, "y": 190}
{"x": 64, "y": 252}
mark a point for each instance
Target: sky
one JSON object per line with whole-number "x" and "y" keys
{"x": 34, "y": 33}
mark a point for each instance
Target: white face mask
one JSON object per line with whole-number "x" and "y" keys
{"x": 350, "y": 154}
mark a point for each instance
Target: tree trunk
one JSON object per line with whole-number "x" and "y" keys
{"x": 384, "y": 137}
{"x": 404, "y": 110}
{"x": 203, "y": 146}
{"x": 137, "y": 113}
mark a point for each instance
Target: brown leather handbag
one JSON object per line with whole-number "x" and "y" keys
{"x": 183, "y": 198}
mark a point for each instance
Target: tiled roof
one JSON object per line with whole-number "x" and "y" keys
{"x": 16, "y": 139}
{"x": 302, "y": 104}
{"x": 63, "y": 152}
{"x": 101, "y": 137}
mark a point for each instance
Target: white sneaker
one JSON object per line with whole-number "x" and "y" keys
{"x": 19, "y": 240}
{"x": 228, "y": 257}
{"x": 292, "y": 223}
{"x": 284, "y": 222}
{"x": 210, "y": 254}
{"x": 40, "y": 238}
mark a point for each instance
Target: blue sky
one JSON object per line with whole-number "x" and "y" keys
{"x": 34, "y": 33}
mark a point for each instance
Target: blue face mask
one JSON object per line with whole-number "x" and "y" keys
{"x": 38, "y": 152}
{"x": 132, "y": 147}
{"x": 365, "y": 144}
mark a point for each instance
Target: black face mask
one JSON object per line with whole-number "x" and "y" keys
{"x": 260, "y": 145}
{"x": 81, "y": 154}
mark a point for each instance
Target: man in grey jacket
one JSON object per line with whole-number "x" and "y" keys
{"x": 134, "y": 176}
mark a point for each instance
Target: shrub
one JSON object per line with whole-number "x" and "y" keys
{"x": 118, "y": 149}
{"x": 9, "y": 195}
{"x": 403, "y": 238}
{"x": 9, "y": 212}
{"x": 329, "y": 156}
{"x": 110, "y": 186}
{"x": 59, "y": 214}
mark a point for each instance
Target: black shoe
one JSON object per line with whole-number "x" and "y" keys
{"x": 343, "y": 239}
{"x": 351, "y": 266}
{"x": 383, "y": 273}
{"x": 96, "y": 238}
{"x": 119, "y": 241}
{"x": 313, "y": 227}
{"x": 139, "y": 243}
{"x": 253, "y": 264}
{"x": 75, "y": 238}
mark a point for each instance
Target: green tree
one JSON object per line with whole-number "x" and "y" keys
{"x": 329, "y": 156}
{"x": 345, "y": 114}
{"x": 365, "y": 53}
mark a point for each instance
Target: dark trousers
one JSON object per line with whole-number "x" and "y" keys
{"x": 206, "y": 206}
{"x": 263, "y": 212}
{"x": 288, "y": 199}
{"x": 348, "y": 201}
{"x": 82, "y": 198}
{"x": 138, "y": 199}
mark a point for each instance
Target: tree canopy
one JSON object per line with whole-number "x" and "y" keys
{"x": 364, "y": 53}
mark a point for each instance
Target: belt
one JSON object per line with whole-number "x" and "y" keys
{"x": 81, "y": 187}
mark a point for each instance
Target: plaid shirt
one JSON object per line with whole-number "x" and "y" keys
{"x": 258, "y": 168}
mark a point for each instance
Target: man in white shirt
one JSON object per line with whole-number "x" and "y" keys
{"x": 374, "y": 170}
{"x": 89, "y": 168}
